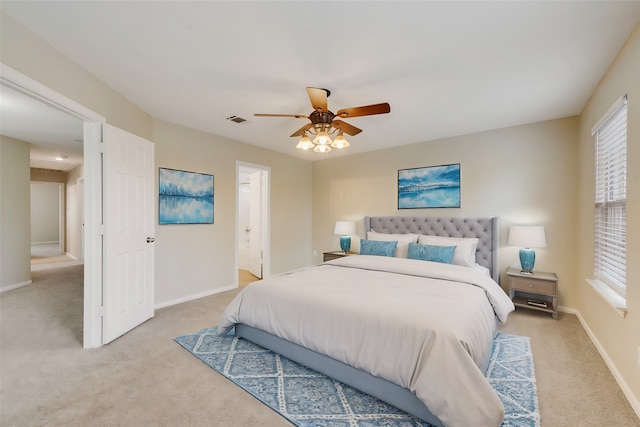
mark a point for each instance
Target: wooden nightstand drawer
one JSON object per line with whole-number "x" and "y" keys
{"x": 532, "y": 285}
{"x": 328, "y": 256}
{"x": 537, "y": 291}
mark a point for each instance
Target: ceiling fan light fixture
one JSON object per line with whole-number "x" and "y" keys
{"x": 305, "y": 143}
{"x": 322, "y": 138}
{"x": 325, "y": 124}
{"x": 340, "y": 142}
{"x": 322, "y": 148}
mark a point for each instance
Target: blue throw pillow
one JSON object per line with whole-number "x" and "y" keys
{"x": 443, "y": 254}
{"x": 376, "y": 247}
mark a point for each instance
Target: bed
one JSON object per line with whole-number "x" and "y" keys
{"x": 416, "y": 334}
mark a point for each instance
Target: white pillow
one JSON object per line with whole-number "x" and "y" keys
{"x": 402, "y": 249}
{"x": 465, "y": 253}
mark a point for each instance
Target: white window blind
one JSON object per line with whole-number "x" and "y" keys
{"x": 610, "y": 236}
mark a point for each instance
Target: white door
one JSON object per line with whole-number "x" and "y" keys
{"x": 255, "y": 224}
{"x": 129, "y": 214}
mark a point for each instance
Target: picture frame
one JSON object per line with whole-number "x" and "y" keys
{"x": 184, "y": 197}
{"x": 429, "y": 187}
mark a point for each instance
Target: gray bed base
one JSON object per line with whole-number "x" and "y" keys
{"x": 486, "y": 229}
{"x": 378, "y": 387}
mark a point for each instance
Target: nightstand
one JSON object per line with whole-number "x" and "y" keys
{"x": 328, "y": 256}
{"x": 536, "y": 291}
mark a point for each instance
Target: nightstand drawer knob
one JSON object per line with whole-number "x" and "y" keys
{"x": 531, "y": 286}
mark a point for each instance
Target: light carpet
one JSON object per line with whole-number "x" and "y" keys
{"x": 307, "y": 398}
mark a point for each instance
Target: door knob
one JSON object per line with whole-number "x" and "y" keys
{"x": 150, "y": 240}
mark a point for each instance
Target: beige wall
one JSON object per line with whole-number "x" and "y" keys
{"x": 524, "y": 175}
{"x": 197, "y": 259}
{"x": 619, "y": 337}
{"x": 73, "y": 210}
{"x": 15, "y": 225}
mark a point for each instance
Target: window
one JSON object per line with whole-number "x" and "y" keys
{"x": 610, "y": 234}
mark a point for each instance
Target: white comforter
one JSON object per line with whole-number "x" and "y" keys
{"x": 424, "y": 326}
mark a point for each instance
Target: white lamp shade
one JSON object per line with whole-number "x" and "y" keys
{"x": 345, "y": 228}
{"x": 340, "y": 142}
{"x": 304, "y": 143}
{"x": 322, "y": 138}
{"x": 322, "y": 149}
{"x": 528, "y": 236}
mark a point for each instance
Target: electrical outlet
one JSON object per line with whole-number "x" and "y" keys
{"x": 315, "y": 252}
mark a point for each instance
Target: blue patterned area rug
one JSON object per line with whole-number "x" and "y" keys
{"x": 307, "y": 398}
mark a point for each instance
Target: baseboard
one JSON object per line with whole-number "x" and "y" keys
{"x": 14, "y": 286}
{"x": 55, "y": 242}
{"x": 633, "y": 400}
{"x": 569, "y": 310}
{"x": 194, "y": 297}
{"x": 75, "y": 258}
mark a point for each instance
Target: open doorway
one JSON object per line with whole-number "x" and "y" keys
{"x": 252, "y": 230}
{"x": 55, "y": 143}
{"x": 89, "y": 141}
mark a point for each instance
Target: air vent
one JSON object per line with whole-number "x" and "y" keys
{"x": 236, "y": 119}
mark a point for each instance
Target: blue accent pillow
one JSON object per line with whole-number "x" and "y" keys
{"x": 443, "y": 254}
{"x": 377, "y": 247}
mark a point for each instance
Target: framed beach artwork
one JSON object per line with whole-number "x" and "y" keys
{"x": 429, "y": 187}
{"x": 185, "y": 197}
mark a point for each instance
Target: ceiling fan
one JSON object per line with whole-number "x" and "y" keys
{"x": 324, "y": 122}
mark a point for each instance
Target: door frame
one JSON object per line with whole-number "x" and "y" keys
{"x": 265, "y": 217}
{"x": 92, "y": 331}
{"x": 80, "y": 225}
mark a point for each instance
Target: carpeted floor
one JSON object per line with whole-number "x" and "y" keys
{"x": 145, "y": 379}
{"x": 47, "y": 256}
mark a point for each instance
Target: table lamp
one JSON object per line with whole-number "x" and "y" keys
{"x": 527, "y": 236}
{"x": 344, "y": 229}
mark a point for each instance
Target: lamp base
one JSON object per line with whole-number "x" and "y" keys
{"x": 345, "y": 243}
{"x": 527, "y": 260}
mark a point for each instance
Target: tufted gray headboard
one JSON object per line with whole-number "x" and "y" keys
{"x": 485, "y": 229}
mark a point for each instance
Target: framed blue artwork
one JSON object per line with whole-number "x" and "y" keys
{"x": 185, "y": 197}
{"x": 429, "y": 187}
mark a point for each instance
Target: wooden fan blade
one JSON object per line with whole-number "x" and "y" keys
{"x": 367, "y": 110}
{"x": 302, "y": 130}
{"x": 297, "y": 116}
{"x": 318, "y": 98}
{"x": 346, "y": 127}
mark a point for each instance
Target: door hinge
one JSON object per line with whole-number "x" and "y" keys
{"x": 101, "y": 311}
{"x": 101, "y": 147}
{"x": 101, "y": 229}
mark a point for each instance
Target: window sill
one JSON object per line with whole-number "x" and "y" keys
{"x": 616, "y": 301}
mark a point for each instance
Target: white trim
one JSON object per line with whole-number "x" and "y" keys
{"x": 42, "y": 93}
{"x": 610, "y": 112}
{"x": 568, "y": 310}
{"x": 92, "y": 257}
{"x": 195, "y": 296}
{"x": 615, "y": 300}
{"x": 15, "y": 286}
{"x": 633, "y": 401}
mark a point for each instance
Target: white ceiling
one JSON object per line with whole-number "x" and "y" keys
{"x": 446, "y": 68}
{"x": 51, "y": 132}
